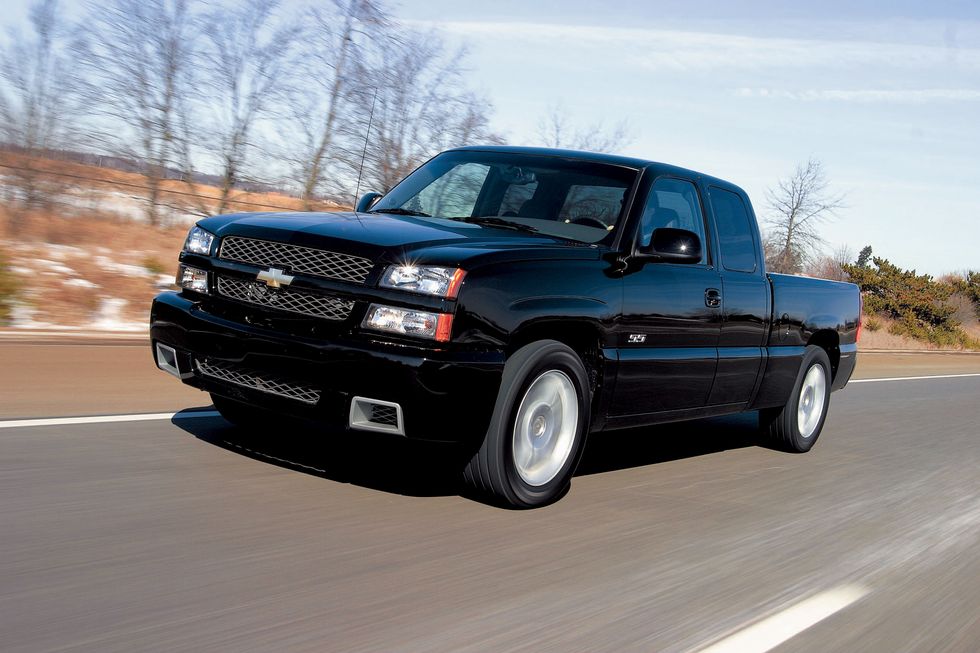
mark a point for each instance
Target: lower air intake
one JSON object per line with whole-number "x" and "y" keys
{"x": 261, "y": 381}
{"x": 376, "y": 415}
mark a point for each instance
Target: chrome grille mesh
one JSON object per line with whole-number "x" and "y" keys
{"x": 384, "y": 414}
{"x": 294, "y": 301}
{"x": 302, "y": 260}
{"x": 273, "y": 385}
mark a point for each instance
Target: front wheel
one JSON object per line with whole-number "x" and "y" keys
{"x": 537, "y": 432}
{"x": 796, "y": 426}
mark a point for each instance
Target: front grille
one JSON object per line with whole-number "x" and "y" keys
{"x": 298, "y": 259}
{"x": 273, "y": 385}
{"x": 293, "y": 301}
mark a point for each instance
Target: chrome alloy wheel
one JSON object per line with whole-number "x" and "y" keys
{"x": 812, "y": 395}
{"x": 545, "y": 427}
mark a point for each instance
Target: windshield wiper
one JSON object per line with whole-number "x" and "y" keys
{"x": 491, "y": 221}
{"x": 401, "y": 212}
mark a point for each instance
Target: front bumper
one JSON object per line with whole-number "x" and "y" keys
{"x": 445, "y": 395}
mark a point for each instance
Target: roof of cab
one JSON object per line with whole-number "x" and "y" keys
{"x": 613, "y": 159}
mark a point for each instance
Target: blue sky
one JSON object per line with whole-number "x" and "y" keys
{"x": 888, "y": 99}
{"x": 886, "y": 95}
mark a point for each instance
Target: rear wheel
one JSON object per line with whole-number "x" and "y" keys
{"x": 796, "y": 426}
{"x": 537, "y": 432}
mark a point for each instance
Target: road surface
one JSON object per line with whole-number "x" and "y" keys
{"x": 182, "y": 534}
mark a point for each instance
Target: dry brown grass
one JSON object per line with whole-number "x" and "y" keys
{"x": 90, "y": 243}
{"x": 98, "y": 240}
{"x": 882, "y": 338}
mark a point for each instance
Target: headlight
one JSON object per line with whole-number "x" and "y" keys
{"x": 409, "y": 322}
{"x": 192, "y": 278}
{"x": 424, "y": 279}
{"x": 199, "y": 241}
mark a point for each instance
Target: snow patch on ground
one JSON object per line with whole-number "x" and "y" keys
{"x": 59, "y": 252}
{"x": 22, "y": 317}
{"x": 122, "y": 268}
{"x": 53, "y": 267}
{"x": 80, "y": 283}
{"x": 108, "y": 317}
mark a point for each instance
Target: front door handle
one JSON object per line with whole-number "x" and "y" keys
{"x": 712, "y": 298}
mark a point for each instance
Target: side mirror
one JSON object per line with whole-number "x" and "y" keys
{"x": 672, "y": 246}
{"x": 367, "y": 201}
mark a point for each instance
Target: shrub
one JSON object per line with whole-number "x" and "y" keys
{"x": 154, "y": 265}
{"x": 872, "y": 322}
{"x": 8, "y": 290}
{"x": 916, "y": 302}
{"x": 970, "y": 286}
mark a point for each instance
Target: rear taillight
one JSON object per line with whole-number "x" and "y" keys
{"x": 857, "y": 338}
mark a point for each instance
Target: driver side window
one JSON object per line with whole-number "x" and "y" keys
{"x": 673, "y": 203}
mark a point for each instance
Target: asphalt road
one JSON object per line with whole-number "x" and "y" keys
{"x": 84, "y": 377}
{"x": 186, "y": 535}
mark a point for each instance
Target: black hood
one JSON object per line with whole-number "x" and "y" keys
{"x": 395, "y": 237}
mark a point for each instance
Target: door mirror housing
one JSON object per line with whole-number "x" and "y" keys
{"x": 672, "y": 246}
{"x": 366, "y": 202}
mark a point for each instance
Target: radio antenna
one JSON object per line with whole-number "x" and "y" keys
{"x": 367, "y": 135}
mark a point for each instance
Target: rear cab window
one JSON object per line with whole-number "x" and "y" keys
{"x": 735, "y": 231}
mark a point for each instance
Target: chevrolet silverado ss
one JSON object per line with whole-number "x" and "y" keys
{"x": 514, "y": 301}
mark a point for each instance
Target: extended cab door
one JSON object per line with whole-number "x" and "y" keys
{"x": 668, "y": 333}
{"x": 745, "y": 297}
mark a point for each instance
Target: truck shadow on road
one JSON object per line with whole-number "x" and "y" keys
{"x": 420, "y": 469}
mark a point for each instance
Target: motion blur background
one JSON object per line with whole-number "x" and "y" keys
{"x": 852, "y": 126}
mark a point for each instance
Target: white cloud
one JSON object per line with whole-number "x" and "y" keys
{"x": 914, "y": 96}
{"x": 692, "y": 50}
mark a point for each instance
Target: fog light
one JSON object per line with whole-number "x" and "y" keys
{"x": 409, "y": 322}
{"x": 192, "y": 279}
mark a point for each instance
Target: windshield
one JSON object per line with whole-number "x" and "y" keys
{"x": 552, "y": 195}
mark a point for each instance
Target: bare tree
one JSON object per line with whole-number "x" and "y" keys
{"x": 555, "y": 129}
{"x": 323, "y": 112}
{"x": 797, "y": 207}
{"x": 422, "y": 106}
{"x": 832, "y": 266}
{"x": 37, "y": 97}
{"x": 138, "y": 56}
{"x": 247, "y": 64}
{"x": 843, "y": 255}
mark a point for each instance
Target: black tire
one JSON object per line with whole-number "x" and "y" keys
{"x": 781, "y": 426}
{"x": 492, "y": 471}
{"x": 242, "y": 415}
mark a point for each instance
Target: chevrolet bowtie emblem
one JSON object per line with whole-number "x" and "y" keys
{"x": 275, "y": 278}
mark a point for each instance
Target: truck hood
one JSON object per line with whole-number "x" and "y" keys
{"x": 396, "y": 238}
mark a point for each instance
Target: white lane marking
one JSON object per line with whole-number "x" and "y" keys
{"x": 146, "y": 417}
{"x": 912, "y": 378}
{"x": 772, "y": 631}
{"x": 102, "y": 419}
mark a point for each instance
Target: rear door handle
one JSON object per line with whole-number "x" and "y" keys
{"x": 712, "y": 298}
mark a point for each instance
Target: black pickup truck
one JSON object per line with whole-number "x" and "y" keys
{"x": 513, "y": 301}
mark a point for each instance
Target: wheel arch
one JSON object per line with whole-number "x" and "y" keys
{"x": 829, "y": 341}
{"x": 584, "y": 338}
